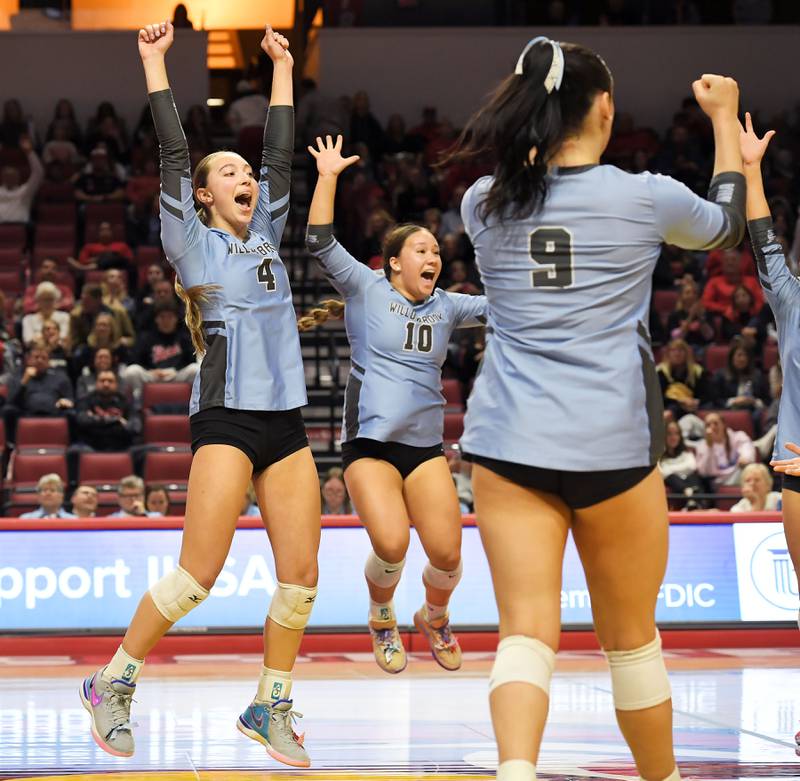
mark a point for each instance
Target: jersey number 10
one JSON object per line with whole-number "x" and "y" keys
{"x": 423, "y": 338}
{"x": 552, "y": 249}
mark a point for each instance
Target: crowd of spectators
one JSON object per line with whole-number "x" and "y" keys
{"x": 86, "y": 327}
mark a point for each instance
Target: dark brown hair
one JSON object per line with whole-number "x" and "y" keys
{"x": 519, "y": 115}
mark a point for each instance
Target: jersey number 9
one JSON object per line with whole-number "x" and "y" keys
{"x": 551, "y": 248}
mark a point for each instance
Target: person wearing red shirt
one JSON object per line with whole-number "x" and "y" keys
{"x": 718, "y": 293}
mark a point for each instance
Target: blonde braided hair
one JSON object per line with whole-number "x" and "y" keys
{"x": 331, "y": 307}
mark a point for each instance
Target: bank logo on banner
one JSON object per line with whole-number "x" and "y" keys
{"x": 768, "y": 589}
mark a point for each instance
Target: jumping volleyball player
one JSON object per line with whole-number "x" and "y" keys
{"x": 245, "y": 407}
{"x": 565, "y": 423}
{"x": 399, "y": 327}
{"x": 782, "y": 291}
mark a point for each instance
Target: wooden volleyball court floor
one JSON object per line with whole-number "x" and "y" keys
{"x": 736, "y": 713}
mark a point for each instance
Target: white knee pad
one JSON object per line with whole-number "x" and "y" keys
{"x": 382, "y": 573}
{"x": 523, "y": 659}
{"x": 291, "y": 605}
{"x": 440, "y": 578}
{"x": 176, "y": 594}
{"x": 639, "y": 677}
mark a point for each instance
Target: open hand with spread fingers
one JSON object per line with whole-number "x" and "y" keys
{"x": 752, "y": 147}
{"x": 329, "y": 156}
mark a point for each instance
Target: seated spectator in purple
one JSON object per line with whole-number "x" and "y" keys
{"x": 156, "y": 499}
{"x": 103, "y": 359}
{"x": 100, "y": 182}
{"x": 723, "y": 453}
{"x": 16, "y": 195}
{"x": 743, "y": 319}
{"x": 689, "y": 321}
{"x": 457, "y": 279}
{"x": 48, "y": 271}
{"x": 50, "y": 490}
{"x": 164, "y": 354}
{"x": 685, "y": 384}
{"x": 41, "y": 392}
{"x": 757, "y": 493}
{"x": 130, "y": 496}
{"x": 46, "y": 308}
{"x": 740, "y": 385}
{"x": 719, "y": 290}
{"x": 84, "y": 501}
{"x": 104, "y": 419}
{"x": 58, "y": 347}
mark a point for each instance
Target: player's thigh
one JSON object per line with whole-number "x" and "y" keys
{"x": 623, "y": 545}
{"x": 217, "y": 482}
{"x": 524, "y": 532}
{"x": 790, "y": 501}
{"x": 432, "y": 503}
{"x": 376, "y": 490}
{"x": 288, "y": 497}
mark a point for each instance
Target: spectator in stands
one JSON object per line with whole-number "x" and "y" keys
{"x": 741, "y": 319}
{"x": 163, "y": 293}
{"x": 41, "y": 391}
{"x": 60, "y": 148}
{"x": 757, "y": 493}
{"x": 719, "y": 290}
{"x": 164, "y": 354}
{"x": 9, "y": 348}
{"x": 103, "y": 359}
{"x": 250, "y": 107}
{"x": 116, "y": 292}
{"x": 65, "y": 113}
{"x": 130, "y": 496}
{"x": 334, "y": 496}
{"x": 364, "y": 127}
{"x": 197, "y": 128}
{"x": 46, "y": 302}
{"x": 396, "y": 141}
{"x": 740, "y": 385}
{"x": 682, "y": 158}
{"x": 106, "y": 125}
{"x": 48, "y": 272}
{"x": 684, "y": 384}
{"x": 17, "y": 196}
{"x": 83, "y": 316}
{"x": 156, "y": 499}
{"x": 674, "y": 265}
{"x": 140, "y": 191}
{"x": 723, "y": 453}
{"x": 105, "y": 421}
{"x": 105, "y": 253}
{"x": 155, "y": 273}
{"x": 318, "y": 114}
{"x": 689, "y": 321}
{"x": 379, "y": 223}
{"x": 58, "y": 347}
{"x": 100, "y": 182}
{"x": 14, "y": 127}
{"x": 84, "y": 501}
{"x": 451, "y": 219}
{"x": 678, "y": 467}
{"x": 50, "y": 490}
{"x": 457, "y": 279}
{"x": 414, "y": 193}
{"x": 104, "y": 335}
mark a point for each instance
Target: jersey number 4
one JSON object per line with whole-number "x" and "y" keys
{"x": 551, "y": 248}
{"x": 423, "y": 336}
{"x": 265, "y": 275}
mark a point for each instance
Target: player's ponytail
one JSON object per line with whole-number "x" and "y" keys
{"x": 192, "y": 298}
{"x": 527, "y": 119}
{"x": 330, "y": 308}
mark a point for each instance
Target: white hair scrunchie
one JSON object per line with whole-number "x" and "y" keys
{"x": 556, "y": 73}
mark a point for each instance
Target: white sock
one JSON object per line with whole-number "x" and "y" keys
{"x": 516, "y": 770}
{"x": 434, "y": 612}
{"x": 382, "y": 611}
{"x": 274, "y": 685}
{"x": 123, "y": 667}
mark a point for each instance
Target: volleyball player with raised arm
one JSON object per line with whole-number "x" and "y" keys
{"x": 399, "y": 326}
{"x": 782, "y": 291}
{"x": 221, "y": 232}
{"x": 564, "y": 423}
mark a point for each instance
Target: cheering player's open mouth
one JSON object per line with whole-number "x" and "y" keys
{"x": 428, "y": 277}
{"x": 244, "y": 200}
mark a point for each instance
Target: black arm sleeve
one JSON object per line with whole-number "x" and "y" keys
{"x": 276, "y": 157}
{"x": 172, "y": 142}
{"x": 729, "y": 191}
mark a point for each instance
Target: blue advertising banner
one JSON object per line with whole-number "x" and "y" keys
{"x": 94, "y": 579}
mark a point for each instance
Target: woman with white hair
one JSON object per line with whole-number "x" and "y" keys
{"x": 757, "y": 493}
{"x": 47, "y": 298}
{"x": 50, "y": 490}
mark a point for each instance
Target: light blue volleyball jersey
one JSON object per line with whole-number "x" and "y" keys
{"x": 782, "y": 291}
{"x": 397, "y": 348}
{"x": 568, "y": 379}
{"x": 253, "y": 360}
